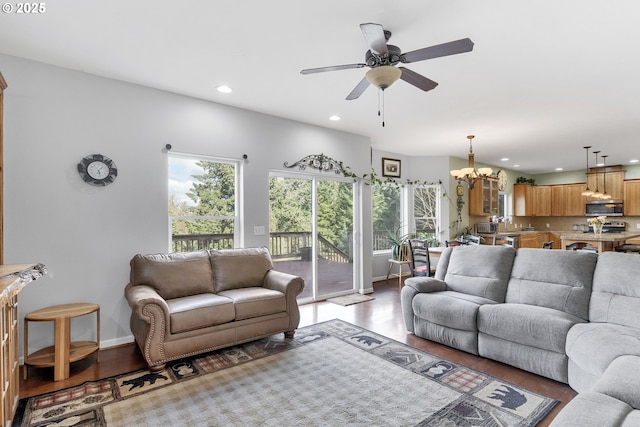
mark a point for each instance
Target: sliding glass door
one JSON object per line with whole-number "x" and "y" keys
{"x": 311, "y": 232}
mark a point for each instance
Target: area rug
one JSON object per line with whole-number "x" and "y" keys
{"x": 330, "y": 374}
{"x": 351, "y": 299}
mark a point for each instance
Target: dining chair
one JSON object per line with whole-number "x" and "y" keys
{"x": 453, "y": 243}
{"x": 547, "y": 245}
{"x": 420, "y": 261}
{"x": 506, "y": 241}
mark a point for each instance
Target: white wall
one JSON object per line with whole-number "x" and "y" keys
{"x": 87, "y": 235}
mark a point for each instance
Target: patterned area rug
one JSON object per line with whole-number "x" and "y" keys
{"x": 351, "y": 299}
{"x": 330, "y": 374}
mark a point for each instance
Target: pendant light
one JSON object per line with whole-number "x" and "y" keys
{"x": 470, "y": 174}
{"x": 587, "y": 192}
{"x": 597, "y": 194}
{"x": 604, "y": 196}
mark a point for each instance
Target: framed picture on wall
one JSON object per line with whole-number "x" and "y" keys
{"x": 391, "y": 167}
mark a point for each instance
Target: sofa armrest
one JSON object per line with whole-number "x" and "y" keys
{"x": 426, "y": 284}
{"x": 283, "y": 282}
{"x": 291, "y": 286}
{"x": 141, "y": 296}
{"x": 621, "y": 380}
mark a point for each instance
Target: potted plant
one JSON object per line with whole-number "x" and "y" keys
{"x": 399, "y": 244}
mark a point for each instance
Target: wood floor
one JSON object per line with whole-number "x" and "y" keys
{"x": 382, "y": 315}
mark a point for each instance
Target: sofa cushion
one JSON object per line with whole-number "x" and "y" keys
{"x": 239, "y": 268}
{"x": 593, "y": 346}
{"x": 616, "y": 293}
{"x": 199, "y": 311}
{"x": 450, "y": 309}
{"x": 529, "y": 325}
{"x": 561, "y": 280}
{"x": 255, "y": 302}
{"x": 173, "y": 275}
{"x": 479, "y": 270}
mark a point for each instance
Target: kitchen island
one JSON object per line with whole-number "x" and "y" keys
{"x": 601, "y": 242}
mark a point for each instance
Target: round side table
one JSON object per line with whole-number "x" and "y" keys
{"x": 64, "y": 351}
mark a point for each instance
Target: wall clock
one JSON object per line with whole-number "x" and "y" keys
{"x": 502, "y": 180}
{"x": 96, "y": 169}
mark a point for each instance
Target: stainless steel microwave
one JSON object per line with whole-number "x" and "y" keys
{"x": 605, "y": 207}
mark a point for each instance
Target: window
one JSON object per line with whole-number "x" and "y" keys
{"x": 387, "y": 215}
{"x": 426, "y": 213}
{"x": 202, "y": 203}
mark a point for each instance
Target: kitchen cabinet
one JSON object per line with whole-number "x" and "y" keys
{"x": 574, "y": 201}
{"x": 631, "y": 197}
{"x": 614, "y": 182}
{"x": 533, "y": 240}
{"x": 542, "y": 200}
{"x": 557, "y": 200}
{"x": 484, "y": 198}
{"x": 567, "y": 200}
{"x": 531, "y": 200}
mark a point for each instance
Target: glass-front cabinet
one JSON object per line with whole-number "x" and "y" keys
{"x": 484, "y": 197}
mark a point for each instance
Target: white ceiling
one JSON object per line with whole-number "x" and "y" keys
{"x": 545, "y": 77}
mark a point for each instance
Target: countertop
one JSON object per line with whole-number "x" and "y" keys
{"x": 573, "y": 235}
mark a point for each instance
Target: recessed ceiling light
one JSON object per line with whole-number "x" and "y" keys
{"x": 504, "y": 159}
{"x": 516, "y": 166}
{"x": 334, "y": 118}
{"x": 634, "y": 161}
{"x": 559, "y": 169}
{"x": 224, "y": 89}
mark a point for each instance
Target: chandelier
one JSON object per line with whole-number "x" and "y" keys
{"x": 470, "y": 174}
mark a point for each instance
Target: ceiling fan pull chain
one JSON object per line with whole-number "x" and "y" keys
{"x": 381, "y": 103}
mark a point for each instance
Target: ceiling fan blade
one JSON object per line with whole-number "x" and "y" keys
{"x": 418, "y": 80}
{"x": 445, "y": 49}
{"x": 331, "y": 68}
{"x": 374, "y": 35}
{"x": 359, "y": 89}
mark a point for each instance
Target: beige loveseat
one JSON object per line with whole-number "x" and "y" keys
{"x": 193, "y": 302}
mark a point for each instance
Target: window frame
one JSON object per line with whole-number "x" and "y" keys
{"x": 236, "y": 218}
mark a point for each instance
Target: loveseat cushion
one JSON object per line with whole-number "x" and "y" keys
{"x": 593, "y": 346}
{"x": 255, "y": 302}
{"x": 239, "y": 268}
{"x": 173, "y": 275}
{"x": 616, "y": 294}
{"x": 199, "y": 311}
{"x": 561, "y": 280}
{"x": 529, "y": 325}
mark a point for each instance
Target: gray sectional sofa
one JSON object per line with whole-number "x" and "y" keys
{"x": 572, "y": 316}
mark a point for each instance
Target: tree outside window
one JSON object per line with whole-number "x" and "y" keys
{"x": 387, "y": 216}
{"x": 202, "y": 203}
{"x": 426, "y": 207}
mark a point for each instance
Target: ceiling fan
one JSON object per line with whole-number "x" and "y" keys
{"x": 382, "y": 58}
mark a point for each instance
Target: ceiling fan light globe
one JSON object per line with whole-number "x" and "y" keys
{"x": 384, "y": 76}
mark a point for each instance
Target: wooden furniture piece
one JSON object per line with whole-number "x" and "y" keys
{"x": 420, "y": 259}
{"x": 13, "y": 278}
{"x": 64, "y": 351}
{"x": 400, "y": 264}
{"x": 484, "y": 198}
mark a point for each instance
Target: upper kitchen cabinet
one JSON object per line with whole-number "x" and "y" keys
{"x": 484, "y": 197}
{"x": 531, "y": 200}
{"x": 614, "y": 183}
{"x": 567, "y": 200}
{"x": 632, "y": 197}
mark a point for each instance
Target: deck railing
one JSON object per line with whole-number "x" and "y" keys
{"x": 281, "y": 245}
